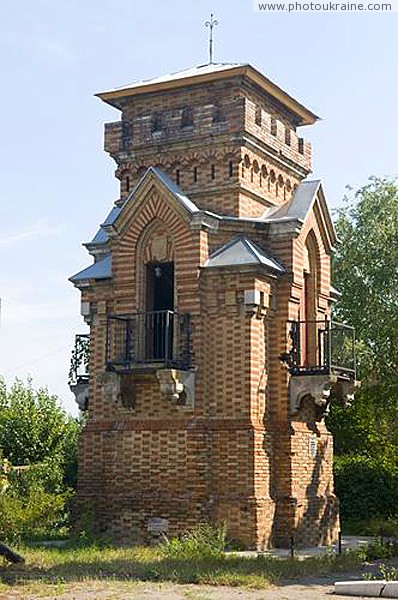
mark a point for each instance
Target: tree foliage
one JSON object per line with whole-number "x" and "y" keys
{"x": 38, "y": 441}
{"x": 34, "y": 429}
{"x": 365, "y": 270}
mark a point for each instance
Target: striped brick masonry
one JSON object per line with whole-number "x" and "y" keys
{"x": 212, "y": 191}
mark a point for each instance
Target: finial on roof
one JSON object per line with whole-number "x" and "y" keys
{"x": 211, "y": 24}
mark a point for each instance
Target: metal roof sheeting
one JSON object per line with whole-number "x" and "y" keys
{"x": 242, "y": 251}
{"x": 173, "y": 188}
{"x": 298, "y": 206}
{"x": 99, "y": 270}
{"x": 101, "y": 237}
{"x": 191, "y": 72}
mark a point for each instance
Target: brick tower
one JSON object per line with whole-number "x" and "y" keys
{"x": 212, "y": 357}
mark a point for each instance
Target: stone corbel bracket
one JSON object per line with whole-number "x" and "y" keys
{"x": 344, "y": 390}
{"x": 111, "y": 389}
{"x": 323, "y": 389}
{"x": 177, "y": 386}
{"x": 318, "y": 387}
{"x": 80, "y": 390}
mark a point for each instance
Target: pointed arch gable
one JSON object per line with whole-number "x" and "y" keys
{"x": 158, "y": 190}
{"x": 154, "y": 231}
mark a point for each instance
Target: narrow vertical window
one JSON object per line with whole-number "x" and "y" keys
{"x": 218, "y": 115}
{"x": 178, "y": 176}
{"x": 301, "y": 145}
{"x": 231, "y": 168}
{"x": 157, "y": 122}
{"x": 195, "y": 174}
{"x": 127, "y": 184}
{"x": 274, "y": 130}
{"x": 187, "y": 117}
{"x": 258, "y": 116}
{"x": 213, "y": 172}
{"x": 287, "y": 136}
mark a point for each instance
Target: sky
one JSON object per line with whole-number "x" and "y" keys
{"x": 56, "y": 182}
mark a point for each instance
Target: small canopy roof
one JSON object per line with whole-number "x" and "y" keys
{"x": 101, "y": 269}
{"x": 242, "y": 251}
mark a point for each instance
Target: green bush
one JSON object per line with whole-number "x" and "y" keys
{"x": 203, "y": 541}
{"x": 38, "y": 448}
{"x": 34, "y": 514}
{"x": 377, "y": 526}
{"x": 367, "y": 487}
{"x": 34, "y": 428}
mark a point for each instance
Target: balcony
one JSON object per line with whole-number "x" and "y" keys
{"x": 78, "y": 378}
{"x": 78, "y": 372}
{"x": 321, "y": 361}
{"x": 144, "y": 340}
{"x": 321, "y": 348}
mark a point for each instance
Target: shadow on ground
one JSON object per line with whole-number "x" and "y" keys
{"x": 67, "y": 565}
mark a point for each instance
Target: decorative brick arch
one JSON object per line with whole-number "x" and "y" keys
{"x": 309, "y": 299}
{"x": 155, "y": 244}
{"x": 312, "y": 262}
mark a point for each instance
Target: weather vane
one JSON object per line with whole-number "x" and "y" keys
{"x": 211, "y": 24}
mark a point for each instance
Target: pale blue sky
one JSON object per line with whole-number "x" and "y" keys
{"x": 57, "y": 184}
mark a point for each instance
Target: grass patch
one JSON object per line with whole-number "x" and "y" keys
{"x": 59, "y": 566}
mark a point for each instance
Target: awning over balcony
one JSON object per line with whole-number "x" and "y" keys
{"x": 99, "y": 270}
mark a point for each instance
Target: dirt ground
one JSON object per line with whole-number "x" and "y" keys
{"x": 142, "y": 591}
{"x": 316, "y": 588}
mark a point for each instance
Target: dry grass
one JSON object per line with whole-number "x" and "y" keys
{"x": 51, "y": 571}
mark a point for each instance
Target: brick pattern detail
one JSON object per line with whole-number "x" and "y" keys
{"x": 209, "y": 158}
{"x": 237, "y": 456}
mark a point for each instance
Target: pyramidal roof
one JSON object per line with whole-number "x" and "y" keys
{"x": 242, "y": 251}
{"x": 191, "y": 72}
{"x": 207, "y": 73}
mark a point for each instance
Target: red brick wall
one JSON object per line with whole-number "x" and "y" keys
{"x": 238, "y": 455}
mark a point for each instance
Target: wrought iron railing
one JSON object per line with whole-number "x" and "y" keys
{"x": 322, "y": 346}
{"x": 78, "y": 372}
{"x": 146, "y": 338}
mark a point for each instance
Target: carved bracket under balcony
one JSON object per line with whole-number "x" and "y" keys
{"x": 343, "y": 391}
{"x": 318, "y": 387}
{"x": 323, "y": 389}
{"x": 119, "y": 389}
{"x": 80, "y": 390}
{"x": 177, "y": 386}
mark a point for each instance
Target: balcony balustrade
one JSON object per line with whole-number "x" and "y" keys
{"x": 156, "y": 338}
{"x": 78, "y": 372}
{"x": 321, "y": 347}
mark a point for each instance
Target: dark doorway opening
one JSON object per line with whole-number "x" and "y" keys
{"x": 160, "y": 315}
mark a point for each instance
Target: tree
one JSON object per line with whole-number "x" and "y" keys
{"x": 365, "y": 270}
{"x": 38, "y": 441}
{"x": 34, "y": 429}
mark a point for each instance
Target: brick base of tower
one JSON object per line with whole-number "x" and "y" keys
{"x": 132, "y": 471}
